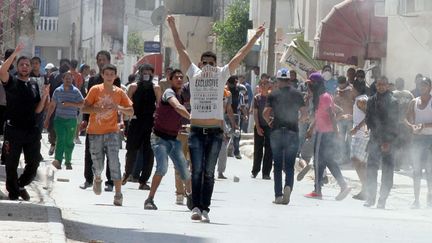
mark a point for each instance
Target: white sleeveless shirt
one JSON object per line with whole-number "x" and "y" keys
{"x": 423, "y": 116}
{"x": 358, "y": 117}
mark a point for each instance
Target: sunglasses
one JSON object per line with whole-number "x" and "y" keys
{"x": 209, "y": 63}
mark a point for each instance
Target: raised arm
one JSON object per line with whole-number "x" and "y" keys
{"x": 185, "y": 61}
{"x": 4, "y": 70}
{"x": 241, "y": 54}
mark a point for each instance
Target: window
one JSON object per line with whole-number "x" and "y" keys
{"x": 145, "y": 4}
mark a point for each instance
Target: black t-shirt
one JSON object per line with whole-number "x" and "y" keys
{"x": 285, "y": 103}
{"x": 22, "y": 98}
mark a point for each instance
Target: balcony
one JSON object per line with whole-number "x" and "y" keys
{"x": 48, "y": 24}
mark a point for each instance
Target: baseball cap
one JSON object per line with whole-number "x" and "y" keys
{"x": 49, "y": 66}
{"x": 426, "y": 80}
{"x": 282, "y": 73}
{"x": 316, "y": 77}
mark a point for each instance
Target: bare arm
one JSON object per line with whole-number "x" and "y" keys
{"x": 230, "y": 114}
{"x": 185, "y": 61}
{"x": 128, "y": 111}
{"x": 4, "y": 70}
{"x": 173, "y": 101}
{"x": 41, "y": 105}
{"x": 241, "y": 54}
{"x": 158, "y": 93}
{"x": 266, "y": 114}
{"x": 51, "y": 108}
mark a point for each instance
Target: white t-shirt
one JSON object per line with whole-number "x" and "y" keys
{"x": 207, "y": 91}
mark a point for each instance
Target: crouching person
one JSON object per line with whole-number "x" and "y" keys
{"x": 103, "y": 102}
{"x": 167, "y": 125}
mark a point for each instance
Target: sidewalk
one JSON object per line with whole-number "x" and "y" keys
{"x": 38, "y": 220}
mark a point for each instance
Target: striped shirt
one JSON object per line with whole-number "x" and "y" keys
{"x": 72, "y": 95}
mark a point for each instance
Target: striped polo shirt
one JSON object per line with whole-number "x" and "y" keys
{"x": 61, "y": 95}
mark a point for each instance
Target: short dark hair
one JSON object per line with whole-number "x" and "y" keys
{"x": 22, "y": 58}
{"x": 383, "y": 78}
{"x": 74, "y": 63}
{"x": 360, "y": 86}
{"x": 169, "y": 68}
{"x": 36, "y": 59}
{"x": 131, "y": 78}
{"x": 105, "y": 53}
{"x": 232, "y": 79}
{"x": 146, "y": 66}
{"x": 360, "y": 71}
{"x": 209, "y": 54}
{"x": 327, "y": 66}
{"x": 109, "y": 67}
{"x": 341, "y": 79}
{"x": 174, "y": 72}
{"x": 264, "y": 75}
{"x": 65, "y": 61}
{"x": 8, "y": 53}
{"x": 83, "y": 66}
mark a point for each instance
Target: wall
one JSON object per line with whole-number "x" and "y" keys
{"x": 409, "y": 47}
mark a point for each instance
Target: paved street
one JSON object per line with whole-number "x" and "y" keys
{"x": 240, "y": 212}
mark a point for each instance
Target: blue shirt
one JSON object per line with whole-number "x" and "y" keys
{"x": 72, "y": 95}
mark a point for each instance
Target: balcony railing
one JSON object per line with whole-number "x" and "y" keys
{"x": 49, "y": 24}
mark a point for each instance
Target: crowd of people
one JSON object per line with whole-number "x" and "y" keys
{"x": 197, "y": 111}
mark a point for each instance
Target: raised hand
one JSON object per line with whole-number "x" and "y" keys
{"x": 171, "y": 21}
{"x": 260, "y": 30}
{"x": 19, "y": 47}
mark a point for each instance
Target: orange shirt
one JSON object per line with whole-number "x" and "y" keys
{"x": 105, "y": 122}
{"x": 78, "y": 79}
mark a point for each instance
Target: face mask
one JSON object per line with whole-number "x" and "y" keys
{"x": 327, "y": 75}
{"x": 146, "y": 77}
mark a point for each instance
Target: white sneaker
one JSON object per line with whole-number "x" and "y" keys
{"x": 205, "y": 217}
{"x": 179, "y": 199}
{"x": 196, "y": 214}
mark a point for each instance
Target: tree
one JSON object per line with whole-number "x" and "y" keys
{"x": 135, "y": 44}
{"x": 231, "y": 33}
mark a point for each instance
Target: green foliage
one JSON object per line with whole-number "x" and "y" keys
{"x": 135, "y": 44}
{"x": 231, "y": 33}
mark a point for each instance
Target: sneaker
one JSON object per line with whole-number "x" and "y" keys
{"x": 253, "y": 175}
{"x": 314, "y": 195}
{"x": 144, "y": 186}
{"x": 196, "y": 214}
{"x": 56, "y": 164}
{"x": 97, "y": 186}
{"x": 68, "y": 167}
{"x": 287, "y": 195}
{"x": 221, "y": 176}
{"x": 360, "y": 196}
{"x": 108, "y": 188}
{"x": 205, "y": 217}
{"x": 125, "y": 178}
{"x": 415, "y": 205}
{"x": 51, "y": 150}
{"x": 118, "y": 199}
{"x": 369, "y": 203}
{"x": 86, "y": 185}
{"x": 77, "y": 140}
{"x": 343, "y": 193}
{"x": 24, "y": 194}
{"x": 278, "y": 200}
{"x": 179, "y": 199}
{"x": 303, "y": 172}
{"x": 266, "y": 177}
{"x": 189, "y": 202}
{"x": 149, "y": 204}
{"x": 238, "y": 156}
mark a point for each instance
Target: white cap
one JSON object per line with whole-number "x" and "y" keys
{"x": 49, "y": 66}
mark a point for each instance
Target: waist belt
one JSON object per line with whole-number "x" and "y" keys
{"x": 207, "y": 130}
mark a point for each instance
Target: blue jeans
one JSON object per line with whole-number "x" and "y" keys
{"x": 284, "y": 145}
{"x": 421, "y": 153}
{"x": 204, "y": 147}
{"x": 101, "y": 145}
{"x": 163, "y": 148}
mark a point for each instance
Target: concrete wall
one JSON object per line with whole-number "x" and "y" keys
{"x": 409, "y": 47}
{"x": 92, "y": 31}
{"x": 194, "y": 32}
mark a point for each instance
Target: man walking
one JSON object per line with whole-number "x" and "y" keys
{"x": 382, "y": 120}
{"x": 21, "y": 133}
{"x": 207, "y": 87}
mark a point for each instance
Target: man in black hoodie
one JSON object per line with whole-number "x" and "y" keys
{"x": 382, "y": 120}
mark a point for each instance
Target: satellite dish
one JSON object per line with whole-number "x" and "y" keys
{"x": 158, "y": 15}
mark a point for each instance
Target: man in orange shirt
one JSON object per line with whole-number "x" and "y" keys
{"x": 103, "y": 103}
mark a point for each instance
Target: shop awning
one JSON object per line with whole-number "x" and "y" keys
{"x": 350, "y": 32}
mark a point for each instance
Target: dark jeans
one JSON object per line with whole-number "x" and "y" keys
{"x": 88, "y": 166}
{"x": 139, "y": 136}
{"x": 236, "y": 139}
{"x": 16, "y": 141}
{"x": 373, "y": 164}
{"x": 260, "y": 143}
{"x": 204, "y": 146}
{"x": 139, "y": 163}
{"x": 284, "y": 144}
{"x": 324, "y": 150}
{"x": 51, "y": 131}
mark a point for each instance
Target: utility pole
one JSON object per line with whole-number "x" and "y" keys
{"x": 272, "y": 39}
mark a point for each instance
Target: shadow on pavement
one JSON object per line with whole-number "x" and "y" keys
{"x": 83, "y": 232}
